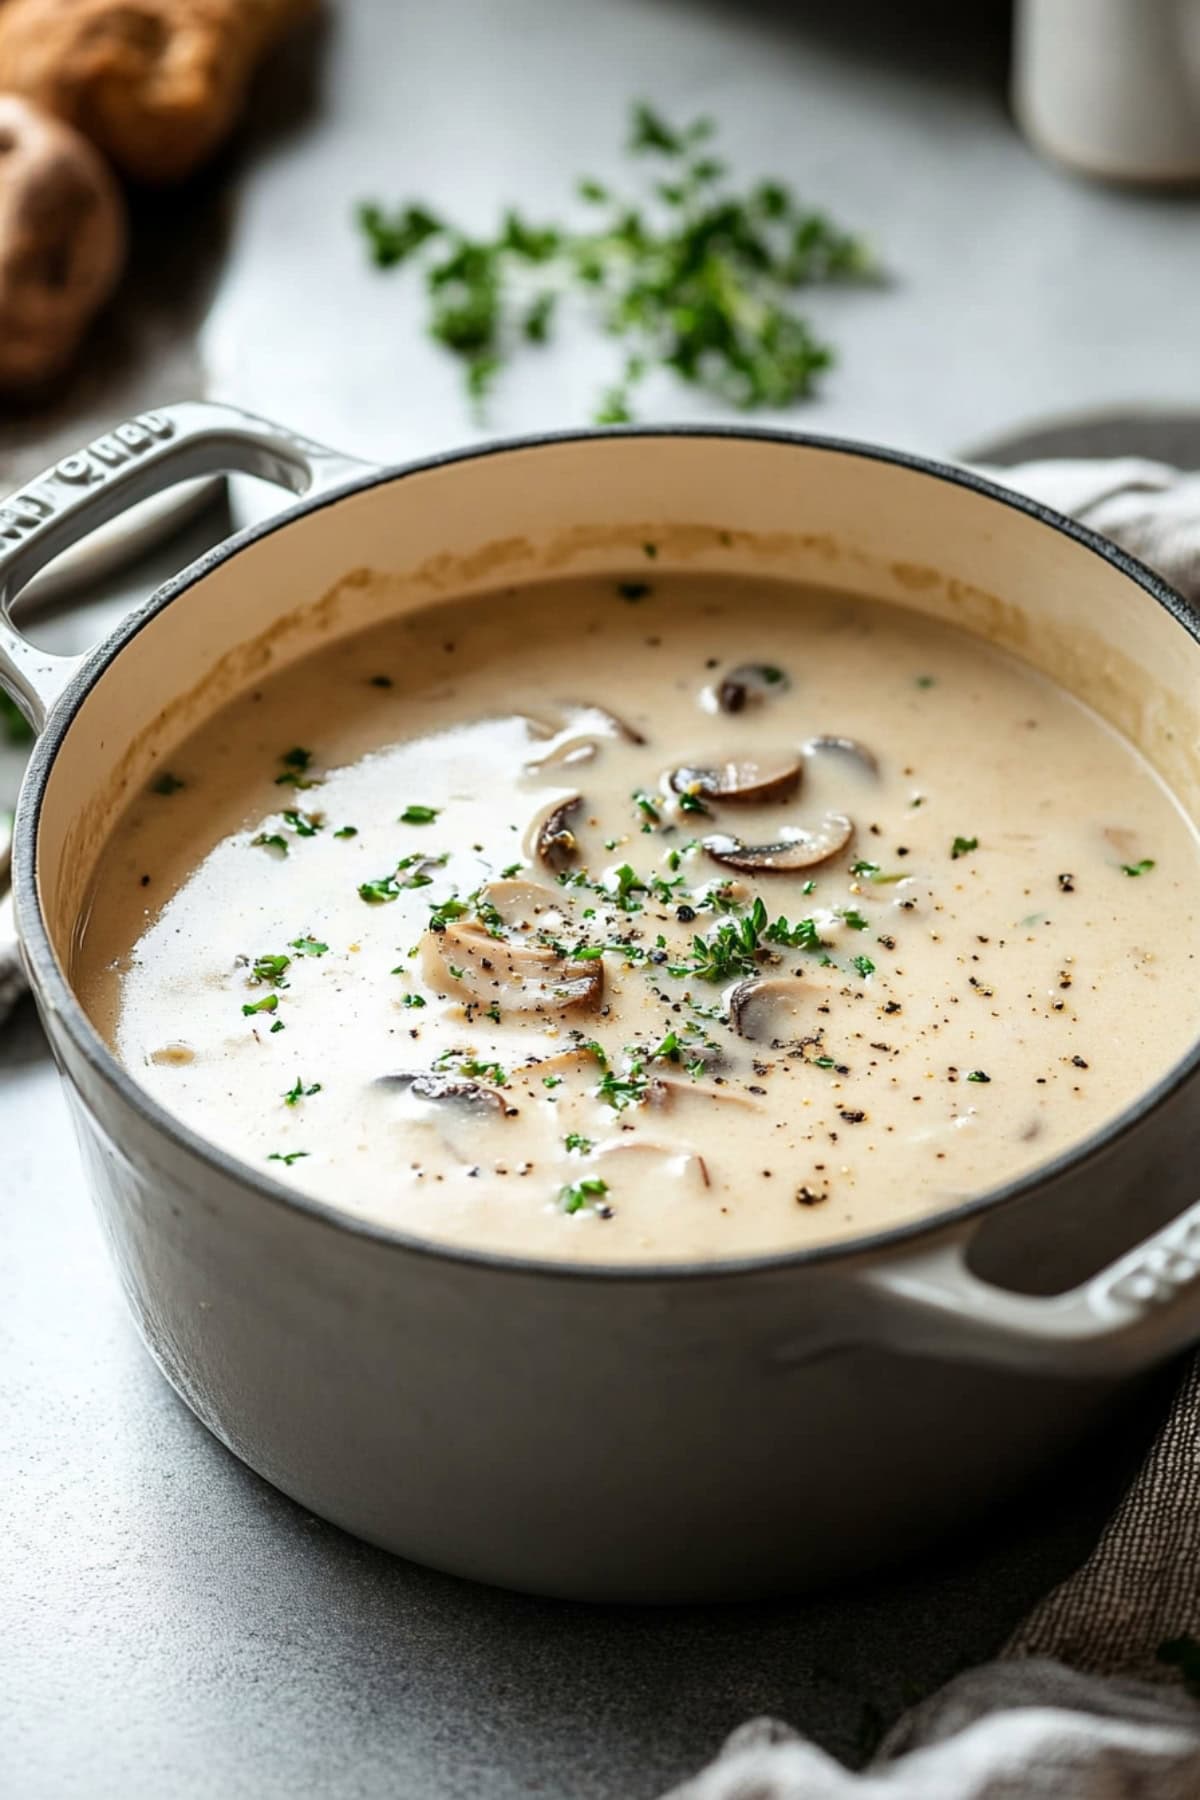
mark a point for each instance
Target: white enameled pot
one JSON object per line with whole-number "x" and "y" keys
{"x": 611, "y": 1433}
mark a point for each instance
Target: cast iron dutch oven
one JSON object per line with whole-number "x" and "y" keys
{"x": 660, "y": 1433}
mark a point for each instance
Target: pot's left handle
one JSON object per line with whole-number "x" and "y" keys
{"x": 134, "y": 461}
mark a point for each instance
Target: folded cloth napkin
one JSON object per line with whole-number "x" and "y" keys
{"x": 1085, "y": 1702}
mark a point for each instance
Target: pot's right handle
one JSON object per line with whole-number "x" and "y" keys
{"x": 1139, "y": 1310}
{"x": 131, "y": 463}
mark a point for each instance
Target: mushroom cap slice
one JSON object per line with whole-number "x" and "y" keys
{"x": 749, "y": 685}
{"x": 648, "y": 1161}
{"x": 520, "y": 977}
{"x": 830, "y": 744}
{"x": 796, "y": 849}
{"x": 431, "y": 1084}
{"x": 764, "y": 1007}
{"x": 576, "y": 736}
{"x": 553, "y": 842}
{"x": 745, "y": 782}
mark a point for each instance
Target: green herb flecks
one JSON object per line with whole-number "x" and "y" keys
{"x": 346, "y": 831}
{"x": 296, "y": 764}
{"x": 459, "y": 1063}
{"x": 578, "y": 1195}
{"x": 308, "y": 946}
{"x": 870, "y": 871}
{"x": 298, "y": 1092}
{"x": 410, "y": 999}
{"x": 1138, "y": 868}
{"x": 270, "y": 840}
{"x": 270, "y": 970}
{"x": 575, "y": 1140}
{"x": 864, "y": 965}
{"x": 419, "y": 815}
{"x": 267, "y": 1004}
{"x": 962, "y": 846}
{"x": 978, "y": 1075}
{"x": 287, "y": 1157}
{"x": 697, "y": 277}
{"x": 304, "y": 824}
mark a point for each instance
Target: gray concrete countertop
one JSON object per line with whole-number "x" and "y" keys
{"x": 172, "y": 1626}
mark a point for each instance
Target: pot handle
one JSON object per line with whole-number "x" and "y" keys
{"x": 1141, "y": 1309}
{"x": 135, "y": 460}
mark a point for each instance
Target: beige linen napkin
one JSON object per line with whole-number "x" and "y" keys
{"x": 1086, "y": 1703}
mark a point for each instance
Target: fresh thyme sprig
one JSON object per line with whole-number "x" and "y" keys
{"x": 697, "y": 276}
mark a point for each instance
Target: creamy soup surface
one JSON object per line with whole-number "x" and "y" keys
{"x": 663, "y": 919}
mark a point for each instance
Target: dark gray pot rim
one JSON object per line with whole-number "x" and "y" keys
{"x": 50, "y": 982}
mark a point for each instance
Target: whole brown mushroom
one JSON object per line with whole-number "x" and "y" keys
{"x": 62, "y": 241}
{"x": 155, "y": 84}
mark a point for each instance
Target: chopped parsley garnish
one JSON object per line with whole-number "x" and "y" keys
{"x": 670, "y": 1050}
{"x": 803, "y": 935}
{"x": 578, "y": 1194}
{"x": 590, "y": 952}
{"x": 731, "y": 950}
{"x": 270, "y": 840}
{"x": 346, "y": 831}
{"x": 167, "y": 784}
{"x": 267, "y": 1004}
{"x": 299, "y": 1092}
{"x": 855, "y": 920}
{"x": 624, "y": 1090}
{"x": 270, "y": 969}
{"x": 410, "y": 999}
{"x": 575, "y": 1140}
{"x": 378, "y": 893}
{"x": 1138, "y": 868}
{"x": 691, "y": 803}
{"x": 698, "y": 276}
{"x": 629, "y": 883}
{"x": 633, "y": 590}
{"x": 295, "y": 765}
{"x": 978, "y": 1075}
{"x": 286, "y": 1156}
{"x": 308, "y": 946}
{"x": 441, "y": 915}
{"x": 962, "y": 846}
{"x": 646, "y": 805}
{"x": 304, "y": 824}
{"x": 419, "y": 815}
{"x": 870, "y": 871}
{"x": 511, "y": 869}
{"x": 823, "y": 1062}
{"x": 461, "y": 1064}
{"x": 552, "y": 1081}
{"x": 864, "y": 965}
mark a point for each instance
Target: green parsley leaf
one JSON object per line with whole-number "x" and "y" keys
{"x": 270, "y": 840}
{"x": 978, "y": 1075}
{"x": 855, "y": 920}
{"x": 577, "y": 1195}
{"x": 346, "y": 831}
{"x": 270, "y": 969}
{"x": 1138, "y": 868}
{"x": 575, "y": 1140}
{"x": 298, "y": 1092}
{"x": 410, "y": 999}
{"x": 864, "y": 965}
{"x": 267, "y": 1004}
{"x": 286, "y": 1156}
{"x": 962, "y": 846}
{"x": 308, "y": 946}
{"x": 419, "y": 815}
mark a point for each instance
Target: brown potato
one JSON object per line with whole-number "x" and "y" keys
{"x": 155, "y": 84}
{"x": 62, "y": 241}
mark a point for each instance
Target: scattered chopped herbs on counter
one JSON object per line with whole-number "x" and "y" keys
{"x": 419, "y": 815}
{"x": 304, "y": 824}
{"x": 295, "y": 766}
{"x": 576, "y": 1196}
{"x": 962, "y": 846}
{"x": 286, "y": 1156}
{"x": 978, "y": 1075}
{"x": 167, "y": 784}
{"x": 346, "y": 831}
{"x": 270, "y": 840}
{"x": 1138, "y": 868}
{"x": 575, "y": 1140}
{"x": 308, "y": 946}
{"x": 299, "y": 1092}
{"x": 410, "y": 999}
{"x": 697, "y": 277}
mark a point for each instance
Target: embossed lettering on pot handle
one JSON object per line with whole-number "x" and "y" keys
{"x": 1139, "y": 1310}
{"x": 135, "y": 460}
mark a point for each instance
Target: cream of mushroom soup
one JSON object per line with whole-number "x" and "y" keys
{"x": 667, "y": 919}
